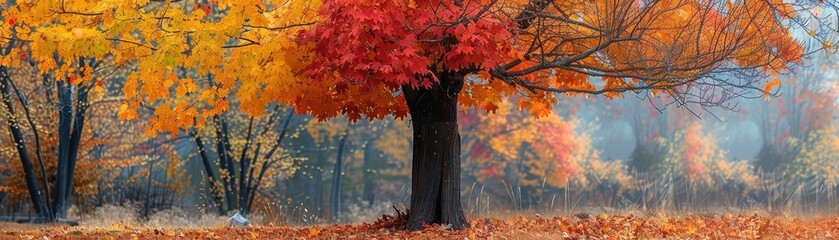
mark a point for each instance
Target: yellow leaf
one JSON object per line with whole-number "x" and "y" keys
{"x": 126, "y": 113}
{"x": 313, "y": 232}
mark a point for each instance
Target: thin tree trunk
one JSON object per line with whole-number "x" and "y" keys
{"x": 44, "y": 176}
{"x": 318, "y": 186}
{"x": 253, "y": 184}
{"x": 225, "y": 131}
{"x": 435, "y": 175}
{"x": 226, "y": 169}
{"x": 249, "y": 185}
{"x": 244, "y": 164}
{"x": 65, "y": 112}
{"x": 208, "y": 168}
{"x": 367, "y": 190}
{"x": 75, "y": 140}
{"x": 14, "y": 127}
{"x": 255, "y": 187}
{"x": 335, "y": 196}
{"x": 147, "y": 205}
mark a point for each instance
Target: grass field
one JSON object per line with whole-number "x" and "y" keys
{"x": 579, "y": 226}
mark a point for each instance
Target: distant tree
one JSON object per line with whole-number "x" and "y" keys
{"x": 241, "y": 154}
{"x": 57, "y": 155}
{"x": 807, "y": 104}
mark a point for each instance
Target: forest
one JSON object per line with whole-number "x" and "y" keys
{"x": 420, "y": 119}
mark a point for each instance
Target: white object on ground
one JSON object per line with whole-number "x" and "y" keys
{"x": 237, "y": 221}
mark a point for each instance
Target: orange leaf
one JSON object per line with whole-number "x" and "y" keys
{"x": 772, "y": 84}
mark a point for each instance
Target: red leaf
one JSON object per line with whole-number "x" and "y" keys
{"x": 207, "y": 9}
{"x": 11, "y": 21}
{"x": 197, "y": 6}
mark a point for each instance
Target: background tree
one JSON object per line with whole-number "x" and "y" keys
{"x": 805, "y": 106}
{"x": 249, "y": 153}
{"x": 163, "y": 43}
{"x": 35, "y": 110}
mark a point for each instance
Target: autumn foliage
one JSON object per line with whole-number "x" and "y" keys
{"x": 477, "y": 81}
{"x": 185, "y": 58}
{"x": 741, "y": 226}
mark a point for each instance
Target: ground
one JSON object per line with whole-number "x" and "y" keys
{"x": 579, "y": 226}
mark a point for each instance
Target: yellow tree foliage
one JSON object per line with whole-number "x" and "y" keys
{"x": 185, "y": 57}
{"x": 816, "y": 156}
{"x": 395, "y": 143}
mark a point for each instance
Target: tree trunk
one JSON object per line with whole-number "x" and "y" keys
{"x": 335, "y": 196}
{"x": 317, "y": 200}
{"x": 226, "y": 171}
{"x": 17, "y": 136}
{"x": 75, "y": 142}
{"x": 65, "y": 112}
{"x": 44, "y": 177}
{"x": 435, "y": 175}
{"x": 244, "y": 164}
{"x": 253, "y": 184}
{"x": 212, "y": 180}
{"x": 147, "y": 203}
{"x": 367, "y": 190}
{"x": 70, "y": 129}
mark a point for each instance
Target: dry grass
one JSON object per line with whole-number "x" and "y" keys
{"x": 109, "y": 216}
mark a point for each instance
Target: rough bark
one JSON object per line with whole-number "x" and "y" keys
{"x": 526, "y": 17}
{"x": 435, "y": 175}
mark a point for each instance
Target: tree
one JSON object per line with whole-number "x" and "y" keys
{"x": 799, "y": 130}
{"x": 38, "y": 133}
{"x": 247, "y": 154}
{"x": 438, "y": 55}
{"x": 535, "y": 153}
{"x": 806, "y": 105}
{"x": 162, "y": 46}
